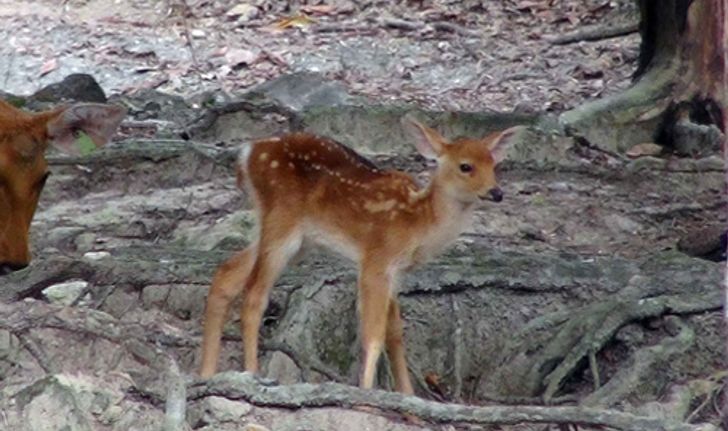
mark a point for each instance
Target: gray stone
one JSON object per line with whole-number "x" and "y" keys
{"x": 692, "y": 139}
{"x": 65, "y": 293}
{"x": 303, "y": 90}
{"x": 281, "y": 368}
{"x": 77, "y": 87}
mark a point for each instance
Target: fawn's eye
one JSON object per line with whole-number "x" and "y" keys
{"x": 466, "y": 167}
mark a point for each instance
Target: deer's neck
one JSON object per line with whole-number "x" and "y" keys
{"x": 448, "y": 217}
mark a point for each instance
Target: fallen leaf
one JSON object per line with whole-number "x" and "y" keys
{"x": 644, "y": 149}
{"x": 294, "y": 21}
{"x": 49, "y": 66}
{"x": 320, "y": 9}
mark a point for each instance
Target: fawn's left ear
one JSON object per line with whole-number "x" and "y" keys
{"x": 98, "y": 121}
{"x": 498, "y": 145}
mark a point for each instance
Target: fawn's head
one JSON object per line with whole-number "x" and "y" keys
{"x": 466, "y": 166}
{"x": 24, "y": 138}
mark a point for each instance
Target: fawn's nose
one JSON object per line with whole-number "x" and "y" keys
{"x": 496, "y": 194}
{"x": 8, "y": 267}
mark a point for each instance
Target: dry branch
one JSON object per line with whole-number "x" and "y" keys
{"x": 594, "y": 33}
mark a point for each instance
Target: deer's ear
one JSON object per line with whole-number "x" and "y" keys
{"x": 498, "y": 145}
{"x": 97, "y": 121}
{"x": 429, "y": 143}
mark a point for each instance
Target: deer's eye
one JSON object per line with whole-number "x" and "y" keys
{"x": 466, "y": 168}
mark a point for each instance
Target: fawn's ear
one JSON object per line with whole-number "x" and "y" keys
{"x": 499, "y": 144}
{"x": 429, "y": 143}
{"x": 98, "y": 121}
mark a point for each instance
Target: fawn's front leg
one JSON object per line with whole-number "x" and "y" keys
{"x": 226, "y": 286}
{"x": 374, "y": 299}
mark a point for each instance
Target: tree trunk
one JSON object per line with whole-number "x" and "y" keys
{"x": 677, "y": 99}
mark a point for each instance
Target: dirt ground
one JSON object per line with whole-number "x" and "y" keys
{"x": 460, "y": 55}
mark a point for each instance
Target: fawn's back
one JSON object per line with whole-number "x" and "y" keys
{"x": 341, "y": 199}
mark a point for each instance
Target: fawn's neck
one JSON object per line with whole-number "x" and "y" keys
{"x": 447, "y": 217}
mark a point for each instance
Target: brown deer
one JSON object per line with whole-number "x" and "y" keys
{"x": 311, "y": 189}
{"x": 24, "y": 138}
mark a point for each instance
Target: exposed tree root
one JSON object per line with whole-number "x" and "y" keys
{"x": 245, "y": 386}
{"x": 633, "y": 373}
{"x": 569, "y": 339}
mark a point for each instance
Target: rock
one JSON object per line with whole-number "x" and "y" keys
{"x": 65, "y": 293}
{"x": 198, "y": 33}
{"x": 281, "y": 368}
{"x": 182, "y": 301}
{"x": 706, "y": 242}
{"x": 243, "y": 12}
{"x": 644, "y": 149}
{"x": 303, "y": 90}
{"x": 149, "y": 104}
{"x": 78, "y": 87}
{"x": 623, "y": 223}
{"x": 214, "y": 410}
{"x": 76, "y": 402}
{"x": 690, "y": 139}
{"x": 96, "y": 255}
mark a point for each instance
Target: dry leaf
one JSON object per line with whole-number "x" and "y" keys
{"x": 320, "y": 9}
{"x": 294, "y": 21}
{"x": 49, "y": 66}
{"x": 644, "y": 149}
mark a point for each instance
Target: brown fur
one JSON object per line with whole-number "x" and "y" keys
{"x": 308, "y": 188}
{"x": 24, "y": 138}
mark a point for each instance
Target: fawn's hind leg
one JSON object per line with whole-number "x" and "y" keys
{"x": 395, "y": 348}
{"x": 227, "y": 284}
{"x": 278, "y": 243}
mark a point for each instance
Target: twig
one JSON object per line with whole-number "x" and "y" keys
{"x": 670, "y": 210}
{"x": 401, "y": 24}
{"x": 245, "y": 386}
{"x": 594, "y": 369}
{"x": 457, "y": 360}
{"x": 455, "y": 28}
{"x": 188, "y": 36}
{"x": 594, "y": 33}
{"x": 205, "y": 121}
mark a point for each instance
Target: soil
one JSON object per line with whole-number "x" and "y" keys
{"x": 500, "y": 60}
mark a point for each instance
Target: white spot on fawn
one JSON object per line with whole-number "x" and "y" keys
{"x": 274, "y": 164}
{"x": 263, "y": 157}
{"x": 379, "y": 206}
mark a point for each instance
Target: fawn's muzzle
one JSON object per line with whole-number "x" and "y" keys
{"x": 495, "y": 194}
